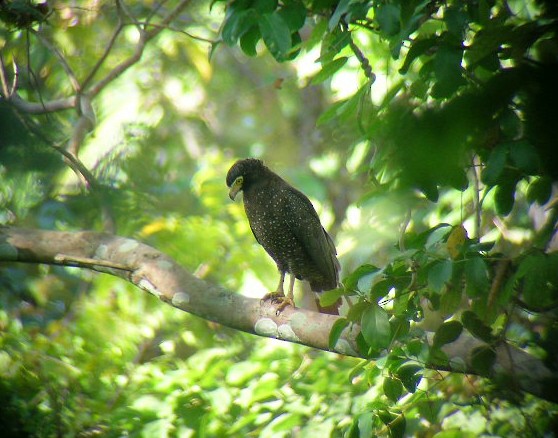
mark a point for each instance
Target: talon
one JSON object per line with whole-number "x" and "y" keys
{"x": 279, "y": 299}
{"x": 274, "y": 297}
{"x": 286, "y": 301}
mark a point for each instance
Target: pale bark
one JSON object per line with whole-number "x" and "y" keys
{"x": 159, "y": 275}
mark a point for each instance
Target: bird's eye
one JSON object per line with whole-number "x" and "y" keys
{"x": 238, "y": 181}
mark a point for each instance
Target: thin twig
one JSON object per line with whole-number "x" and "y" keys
{"x": 183, "y": 32}
{"x": 104, "y": 56}
{"x": 476, "y": 197}
{"x": 48, "y": 44}
{"x": 87, "y": 262}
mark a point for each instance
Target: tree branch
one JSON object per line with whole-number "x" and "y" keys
{"x": 159, "y": 275}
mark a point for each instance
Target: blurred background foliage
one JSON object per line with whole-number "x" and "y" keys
{"x": 425, "y": 134}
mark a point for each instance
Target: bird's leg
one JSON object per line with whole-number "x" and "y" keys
{"x": 278, "y": 293}
{"x": 289, "y": 299}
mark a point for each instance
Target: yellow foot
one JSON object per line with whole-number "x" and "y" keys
{"x": 280, "y": 299}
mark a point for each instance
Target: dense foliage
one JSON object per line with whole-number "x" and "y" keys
{"x": 425, "y": 133}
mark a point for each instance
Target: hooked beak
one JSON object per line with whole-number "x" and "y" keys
{"x": 235, "y": 187}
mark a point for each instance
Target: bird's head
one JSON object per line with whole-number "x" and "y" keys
{"x": 242, "y": 174}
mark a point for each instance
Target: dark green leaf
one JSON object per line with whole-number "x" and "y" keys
{"x": 510, "y": 124}
{"x": 447, "y": 69}
{"x": 393, "y": 388}
{"x": 399, "y": 327}
{"x": 397, "y": 426}
{"x": 539, "y": 274}
{"x": 356, "y": 311}
{"x": 504, "y": 197}
{"x": 450, "y": 301}
{"x": 387, "y": 16}
{"x": 540, "y": 190}
{"x": 265, "y": 6}
{"x": 455, "y": 20}
{"x": 439, "y": 274}
{"x": 276, "y": 35}
{"x": 336, "y": 330}
{"x": 476, "y": 277}
{"x": 525, "y": 157}
{"x": 482, "y": 360}
{"x": 476, "y": 327}
{"x": 237, "y": 24}
{"x": 328, "y": 70}
{"x": 294, "y": 14}
{"x": 492, "y": 173}
{"x": 418, "y": 48}
{"x": 447, "y": 333}
{"x": 249, "y": 41}
{"x": 410, "y": 376}
{"x": 375, "y": 327}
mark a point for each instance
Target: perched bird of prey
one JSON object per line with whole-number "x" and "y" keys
{"x": 285, "y": 223}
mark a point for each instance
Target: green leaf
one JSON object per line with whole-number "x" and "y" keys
{"x": 340, "y": 10}
{"x": 539, "y": 273}
{"x": 539, "y": 190}
{"x": 294, "y": 14}
{"x": 447, "y": 333}
{"x": 276, "y": 35}
{"x": 237, "y": 24}
{"x": 249, "y": 41}
{"x": 476, "y": 277}
{"x": 504, "y": 197}
{"x": 418, "y": 48}
{"x": 447, "y": 69}
{"x": 483, "y": 359}
{"x": 387, "y": 16}
{"x": 284, "y": 422}
{"x": 344, "y": 109}
{"x": 351, "y": 282}
{"x": 375, "y": 327}
{"x": 331, "y": 296}
{"x": 336, "y": 330}
{"x": 450, "y": 301}
{"x": 393, "y": 388}
{"x": 455, "y": 20}
{"x": 494, "y": 169}
{"x": 397, "y": 426}
{"x": 525, "y": 157}
{"x": 265, "y": 6}
{"x": 439, "y": 274}
{"x": 510, "y": 124}
{"x": 410, "y": 376}
{"x": 328, "y": 70}
{"x": 476, "y": 327}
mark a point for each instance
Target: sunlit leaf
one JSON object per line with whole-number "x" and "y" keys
{"x": 375, "y": 327}
{"x": 276, "y": 34}
{"x": 328, "y": 70}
